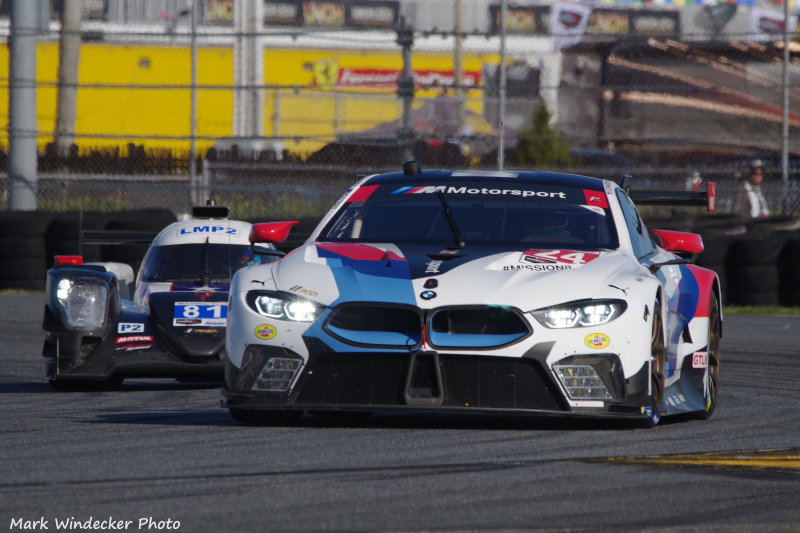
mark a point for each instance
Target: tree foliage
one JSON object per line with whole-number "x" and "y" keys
{"x": 539, "y": 146}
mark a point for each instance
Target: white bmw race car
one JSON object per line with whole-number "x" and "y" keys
{"x": 478, "y": 292}
{"x": 101, "y": 327}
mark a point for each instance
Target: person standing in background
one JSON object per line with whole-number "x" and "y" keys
{"x": 749, "y": 202}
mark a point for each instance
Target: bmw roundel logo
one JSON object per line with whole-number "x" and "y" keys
{"x": 427, "y": 295}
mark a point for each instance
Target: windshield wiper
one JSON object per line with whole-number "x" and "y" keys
{"x": 452, "y": 221}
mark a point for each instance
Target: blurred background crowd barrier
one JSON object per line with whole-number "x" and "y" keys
{"x": 277, "y": 105}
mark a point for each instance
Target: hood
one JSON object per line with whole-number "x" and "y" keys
{"x": 332, "y": 273}
{"x": 190, "y": 323}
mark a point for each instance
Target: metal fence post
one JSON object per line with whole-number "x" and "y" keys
{"x": 405, "y": 88}
{"x": 22, "y": 128}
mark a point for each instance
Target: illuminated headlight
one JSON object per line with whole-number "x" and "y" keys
{"x": 582, "y": 382}
{"x": 283, "y": 306}
{"x": 83, "y": 301}
{"x": 277, "y": 374}
{"x": 580, "y": 314}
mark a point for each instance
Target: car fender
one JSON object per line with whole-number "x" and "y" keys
{"x": 56, "y": 315}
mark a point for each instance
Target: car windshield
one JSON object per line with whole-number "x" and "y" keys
{"x": 195, "y": 262}
{"x": 483, "y": 213}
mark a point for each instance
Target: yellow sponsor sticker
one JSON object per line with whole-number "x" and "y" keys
{"x": 597, "y": 341}
{"x": 266, "y": 331}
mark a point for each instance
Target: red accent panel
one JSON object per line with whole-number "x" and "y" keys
{"x": 271, "y": 231}
{"x": 705, "y": 281}
{"x": 679, "y": 241}
{"x": 570, "y": 257}
{"x": 69, "y": 259}
{"x": 360, "y": 252}
{"x": 362, "y": 193}
{"x": 595, "y": 198}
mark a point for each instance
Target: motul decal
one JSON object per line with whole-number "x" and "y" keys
{"x": 569, "y": 257}
{"x": 135, "y": 338}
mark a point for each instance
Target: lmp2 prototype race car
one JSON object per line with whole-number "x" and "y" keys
{"x": 101, "y": 328}
{"x": 478, "y": 292}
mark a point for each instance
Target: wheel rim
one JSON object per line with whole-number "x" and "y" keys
{"x": 657, "y": 365}
{"x": 713, "y": 354}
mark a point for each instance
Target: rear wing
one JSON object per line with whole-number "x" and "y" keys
{"x": 707, "y": 197}
{"x": 116, "y": 236}
{"x": 123, "y": 236}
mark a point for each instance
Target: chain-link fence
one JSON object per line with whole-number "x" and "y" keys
{"x": 324, "y": 107}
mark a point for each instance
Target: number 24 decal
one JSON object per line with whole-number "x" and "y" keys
{"x": 563, "y": 256}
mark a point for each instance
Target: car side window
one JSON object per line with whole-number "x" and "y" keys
{"x": 640, "y": 239}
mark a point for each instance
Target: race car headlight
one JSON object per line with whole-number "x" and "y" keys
{"x": 83, "y": 302}
{"x": 580, "y": 314}
{"x": 282, "y": 306}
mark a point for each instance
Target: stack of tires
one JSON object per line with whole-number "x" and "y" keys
{"x": 23, "y": 262}
{"x": 789, "y": 268}
{"x": 30, "y": 240}
{"x": 753, "y": 270}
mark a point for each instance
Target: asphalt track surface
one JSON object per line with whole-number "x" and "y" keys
{"x": 162, "y": 456}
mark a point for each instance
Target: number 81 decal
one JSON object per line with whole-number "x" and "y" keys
{"x": 200, "y": 314}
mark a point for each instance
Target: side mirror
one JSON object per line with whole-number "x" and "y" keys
{"x": 264, "y": 234}
{"x": 684, "y": 245}
{"x": 270, "y": 232}
{"x": 679, "y": 241}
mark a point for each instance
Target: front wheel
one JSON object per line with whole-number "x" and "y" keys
{"x": 658, "y": 358}
{"x": 711, "y": 377}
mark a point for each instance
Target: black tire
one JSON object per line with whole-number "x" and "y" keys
{"x": 753, "y": 270}
{"x": 22, "y": 284}
{"x": 711, "y": 383}
{"x": 23, "y": 270}
{"x": 266, "y": 418}
{"x": 25, "y": 248}
{"x": 23, "y": 224}
{"x": 658, "y": 360}
{"x": 789, "y": 271}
